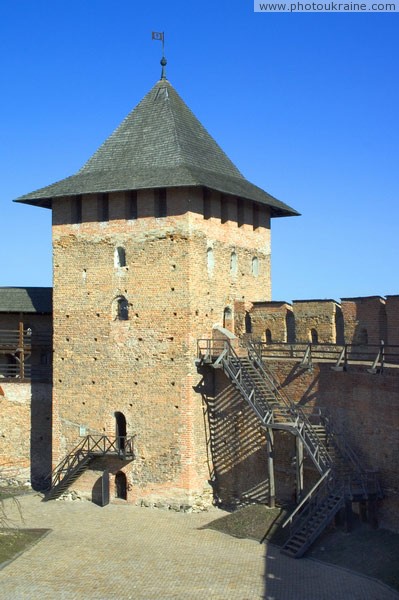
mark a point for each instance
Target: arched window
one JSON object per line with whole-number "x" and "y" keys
{"x": 248, "y": 323}
{"x": 119, "y": 257}
{"x": 120, "y": 309}
{"x": 120, "y": 430}
{"x": 255, "y": 266}
{"x": 227, "y": 318}
{"x": 210, "y": 261}
{"x": 233, "y": 263}
{"x": 314, "y": 336}
{"x": 290, "y": 326}
{"x": 268, "y": 336}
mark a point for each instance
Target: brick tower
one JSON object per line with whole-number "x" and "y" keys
{"x": 154, "y": 240}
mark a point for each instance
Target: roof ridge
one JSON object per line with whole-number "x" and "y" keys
{"x": 165, "y": 81}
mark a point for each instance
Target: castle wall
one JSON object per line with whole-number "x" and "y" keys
{"x": 237, "y": 445}
{"x": 315, "y": 316}
{"x": 365, "y": 320}
{"x": 357, "y": 321}
{"x": 275, "y": 317}
{"x": 364, "y": 408}
{"x": 25, "y": 432}
{"x": 392, "y": 312}
{"x": 179, "y": 278}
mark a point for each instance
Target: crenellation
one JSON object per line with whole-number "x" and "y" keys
{"x": 355, "y": 321}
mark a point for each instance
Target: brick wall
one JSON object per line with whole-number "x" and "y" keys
{"x": 237, "y": 446}
{"x": 272, "y": 321}
{"x": 315, "y": 318}
{"x": 364, "y": 408}
{"x": 178, "y": 280}
{"x": 392, "y": 311}
{"x": 25, "y": 432}
{"x": 365, "y": 320}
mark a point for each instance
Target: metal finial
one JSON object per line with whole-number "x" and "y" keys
{"x": 163, "y": 65}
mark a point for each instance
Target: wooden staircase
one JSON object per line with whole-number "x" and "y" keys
{"x": 77, "y": 461}
{"x": 316, "y": 515}
{"x": 341, "y": 478}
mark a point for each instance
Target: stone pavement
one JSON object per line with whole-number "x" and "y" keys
{"x": 125, "y": 552}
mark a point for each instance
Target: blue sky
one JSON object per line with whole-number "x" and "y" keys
{"x": 306, "y": 105}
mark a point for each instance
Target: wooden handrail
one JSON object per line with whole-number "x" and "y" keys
{"x": 88, "y": 447}
{"x": 307, "y": 497}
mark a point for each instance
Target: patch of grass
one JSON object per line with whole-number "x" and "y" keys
{"x": 256, "y": 521}
{"x": 15, "y": 541}
{"x": 372, "y": 552}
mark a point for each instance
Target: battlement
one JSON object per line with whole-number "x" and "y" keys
{"x": 361, "y": 320}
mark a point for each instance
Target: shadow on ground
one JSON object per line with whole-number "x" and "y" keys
{"x": 372, "y": 552}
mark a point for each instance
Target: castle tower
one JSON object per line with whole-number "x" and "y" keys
{"x": 154, "y": 239}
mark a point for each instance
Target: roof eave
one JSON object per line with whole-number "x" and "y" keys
{"x": 47, "y": 202}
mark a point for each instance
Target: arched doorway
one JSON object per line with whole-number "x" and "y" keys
{"x": 248, "y": 322}
{"x": 121, "y": 485}
{"x": 314, "y": 336}
{"x": 120, "y": 432}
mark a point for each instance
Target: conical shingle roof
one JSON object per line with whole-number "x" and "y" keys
{"x": 159, "y": 144}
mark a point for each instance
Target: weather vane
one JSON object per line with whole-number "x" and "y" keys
{"x": 160, "y": 36}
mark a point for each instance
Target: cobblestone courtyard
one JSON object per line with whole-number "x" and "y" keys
{"x": 125, "y": 552}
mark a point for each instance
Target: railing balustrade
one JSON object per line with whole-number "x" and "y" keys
{"x": 16, "y": 348}
{"x": 90, "y": 447}
{"x": 376, "y": 355}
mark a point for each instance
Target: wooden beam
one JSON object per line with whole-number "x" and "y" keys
{"x": 299, "y": 468}
{"x": 21, "y": 349}
{"x": 270, "y": 465}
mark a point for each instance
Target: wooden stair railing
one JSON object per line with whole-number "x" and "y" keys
{"x": 341, "y": 474}
{"x": 313, "y": 515}
{"x": 256, "y": 386}
{"x": 76, "y": 461}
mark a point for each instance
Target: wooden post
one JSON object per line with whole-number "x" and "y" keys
{"x": 270, "y": 464}
{"x": 299, "y": 468}
{"x": 21, "y": 350}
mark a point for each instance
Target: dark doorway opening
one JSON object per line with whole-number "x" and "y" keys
{"x": 120, "y": 420}
{"x": 121, "y": 485}
{"x": 314, "y": 336}
{"x": 248, "y": 323}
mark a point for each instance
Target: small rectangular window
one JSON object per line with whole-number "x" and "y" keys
{"x": 206, "y": 196}
{"x": 103, "y": 207}
{"x": 160, "y": 202}
{"x": 76, "y": 209}
{"x": 131, "y": 205}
